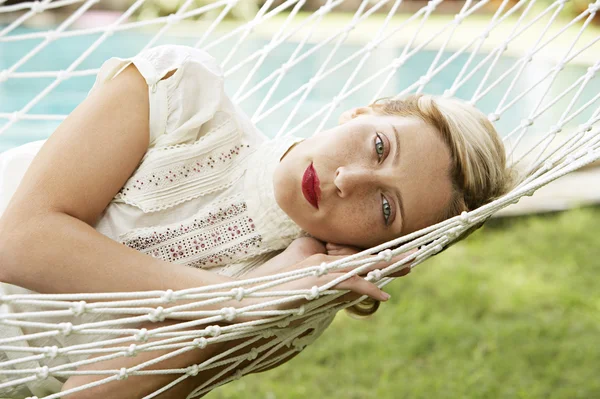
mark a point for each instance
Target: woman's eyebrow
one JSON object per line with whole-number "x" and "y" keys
{"x": 395, "y": 163}
{"x": 397, "y": 140}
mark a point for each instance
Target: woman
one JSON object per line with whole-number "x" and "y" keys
{"x": 159, "y": 159}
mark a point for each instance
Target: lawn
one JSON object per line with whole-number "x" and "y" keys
{"x": 512, "y": 312}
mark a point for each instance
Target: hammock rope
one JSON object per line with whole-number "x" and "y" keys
{"x": 556, "y": 147}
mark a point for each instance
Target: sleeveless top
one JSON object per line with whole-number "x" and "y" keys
{"x": 201, "y": 196}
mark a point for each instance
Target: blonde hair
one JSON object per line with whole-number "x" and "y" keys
{"x": 478, "y": 169}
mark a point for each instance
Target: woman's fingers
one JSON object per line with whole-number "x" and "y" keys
{"x": 360, "y": 286}
{"x": 379, "y": 265}
{"x": 340, "y": 250}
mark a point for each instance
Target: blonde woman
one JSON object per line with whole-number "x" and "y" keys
{"x": 157, "y": 181}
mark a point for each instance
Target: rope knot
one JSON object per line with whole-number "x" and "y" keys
{"x": 193, "y": 370}
{"x": 15, "y": 116}
{"x": 123, "y": 374}
{"x": 314, "y": 293}
{"x": 169, "y": 296}
{"x": 453, "y": 233}
{"x": 215, "y": 331}
{"x": 238, "y": 293}
{"x": 431, "y": 5}
{"x": 527, "y": 122}
{"x": 253, "y": 354}
{"x": 157, "y": 315}
{"x": 283, "y": 323}
{"x": 374, "y": 275}
{"x": 41, "y": 373}
{"x": 37, "y": 7}
{"x": 464, "y": 218}
{"x": 386, "y": 255}
{"x": 132, "y": 350}
{"x": 172, "y": 18}
{"x": 285, "y": 67}
{"x": 397, "y": 63}
{"x": 229, "y": 313}
{"x": 267, "y": 334}
{"x": 79, "y": 308}
{"x": 51, "y": 352}
{"x": 66, "y": 328}
{"x": 142, "y": 335}
{"x": 322, "y": 270}
{"x": 51, "y": 35}
{"x": 493, "y": 117}
{"x": 371, "y": 46}
{"x": 3, "y": 76}
{"x": 585, "y": 127}
{"x": 200, "y": 343}
{"x": 528, "y": 57}
{"x": 300, "y": 311}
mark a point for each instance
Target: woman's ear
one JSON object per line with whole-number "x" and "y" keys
{"x": 353, "y": 113}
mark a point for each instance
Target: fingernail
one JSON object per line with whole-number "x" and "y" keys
{"x": 385, "y": 296}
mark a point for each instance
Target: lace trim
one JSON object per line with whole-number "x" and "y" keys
{"x": 179, "y": 201}
{"x": 178, "y": 173}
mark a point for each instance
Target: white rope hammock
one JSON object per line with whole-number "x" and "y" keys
{"x": 550, "y": 141}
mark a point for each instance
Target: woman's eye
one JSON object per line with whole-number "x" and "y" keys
{"x": 379, "y": 147}
{"x": 387, "y": 210}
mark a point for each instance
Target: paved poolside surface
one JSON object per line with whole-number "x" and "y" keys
{"x": 576, "y": 189}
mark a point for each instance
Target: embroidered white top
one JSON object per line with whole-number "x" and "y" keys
{"x": 202, "y": 195}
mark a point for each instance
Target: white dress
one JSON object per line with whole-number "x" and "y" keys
{"x": 202, "y": 195}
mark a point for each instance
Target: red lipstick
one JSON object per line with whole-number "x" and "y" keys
{"x": 310, "y": 186}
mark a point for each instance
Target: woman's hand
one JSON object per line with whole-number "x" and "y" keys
{"x": 306, "y": 252}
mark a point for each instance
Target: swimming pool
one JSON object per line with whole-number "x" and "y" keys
{"x": 58, "y": 55}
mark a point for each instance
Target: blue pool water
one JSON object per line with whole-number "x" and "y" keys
{"x": 16, "y": 93}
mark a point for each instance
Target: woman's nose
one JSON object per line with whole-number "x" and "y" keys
{"x": 349, "y": 180}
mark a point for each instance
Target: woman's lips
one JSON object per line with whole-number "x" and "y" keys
{"x": 310, "y": 186}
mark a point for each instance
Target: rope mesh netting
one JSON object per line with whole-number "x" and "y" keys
{"x": 542, "y": 99}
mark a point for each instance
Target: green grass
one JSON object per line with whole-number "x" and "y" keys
{"x": 512, "y": 312}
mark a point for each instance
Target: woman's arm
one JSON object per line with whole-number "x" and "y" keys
{"x": 302, "y": 252}
{"x": 137, "y": 387}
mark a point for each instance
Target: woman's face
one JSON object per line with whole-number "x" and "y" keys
{"x": 371, "y": 179}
